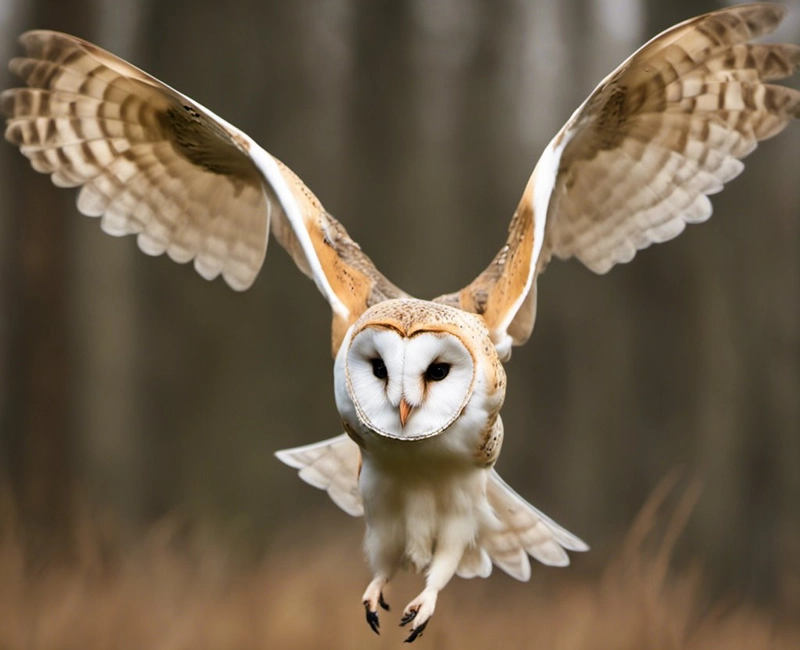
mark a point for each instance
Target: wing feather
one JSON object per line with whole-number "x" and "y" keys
{"x": 522, "y": 530}
{"x": 671, "y": 125}
{"x": 332, "y": 465}
{"x": 637, "y": 161}
{"x": 154, "y": 163}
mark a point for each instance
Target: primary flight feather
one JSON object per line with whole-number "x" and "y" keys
{"x": 419, "y": 384}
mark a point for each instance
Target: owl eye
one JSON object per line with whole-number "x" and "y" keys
{"x": 379, "y": 368}
{"x": 437, "y": 371}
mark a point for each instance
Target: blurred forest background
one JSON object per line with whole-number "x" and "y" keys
{"x": 132, "y": 385}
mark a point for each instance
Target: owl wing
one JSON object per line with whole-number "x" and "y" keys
{"x": 635, "y": 163}
{"x": 332, "y": 465}
{"x": 154, "y": 163}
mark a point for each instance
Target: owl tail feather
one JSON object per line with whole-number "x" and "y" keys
{"x": 511, "y": 530}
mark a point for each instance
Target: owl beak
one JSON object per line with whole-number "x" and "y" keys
{"x": 405, "y": 411}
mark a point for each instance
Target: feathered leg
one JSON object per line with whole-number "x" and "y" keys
{"x": 449, "y": 550}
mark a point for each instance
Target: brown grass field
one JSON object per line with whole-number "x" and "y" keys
{"x": 176, "y": 588}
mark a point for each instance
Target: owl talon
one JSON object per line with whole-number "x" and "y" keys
{"x": 408, "y": 617}
{"x": 420, "y": 610}
{"x": 372, "y": 599}
{"x": 372, "y": 619}
{"x": 416, "y": 632}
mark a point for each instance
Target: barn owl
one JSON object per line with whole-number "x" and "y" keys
{"x": 418, "y": 384}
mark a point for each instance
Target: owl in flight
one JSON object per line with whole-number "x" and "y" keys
{"x": 419, "y": 384}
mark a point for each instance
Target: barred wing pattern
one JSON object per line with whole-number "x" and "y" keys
{"x": 154, "y": 163}
{"x": 667, "y": 129}
{"x": 636, "y": 161}
{"x": 148, "y": 162}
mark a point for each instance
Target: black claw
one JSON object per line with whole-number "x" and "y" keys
{"x": 416, "y": 633}
{"x": 372, "y": 619}
{"x": 383, "y": 603}
{"x": 407, "y": 618}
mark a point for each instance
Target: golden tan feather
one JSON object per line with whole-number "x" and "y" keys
{"x": 636, "y": 162}
{"x": 665, "y": 130}
{"x": 154, "y": 163}
{"x": 631, "y": 167}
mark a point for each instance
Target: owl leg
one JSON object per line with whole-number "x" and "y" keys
{"x": 372, "y": 599}
{"x": 420, "y": 610}
{"x": 383, "y": 544}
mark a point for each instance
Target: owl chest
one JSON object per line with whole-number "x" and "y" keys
{"x": 408, "y": 510}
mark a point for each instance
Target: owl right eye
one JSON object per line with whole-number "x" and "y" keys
{"x": 379, "y": 368}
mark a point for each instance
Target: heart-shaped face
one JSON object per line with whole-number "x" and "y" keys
{"x": 408, "y": 387}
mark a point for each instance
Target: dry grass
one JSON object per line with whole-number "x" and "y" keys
{"x": 173, "y": 591}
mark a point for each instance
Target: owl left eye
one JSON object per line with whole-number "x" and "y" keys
{"x": 379, "y": 368}
{"x": 437, "y": 371}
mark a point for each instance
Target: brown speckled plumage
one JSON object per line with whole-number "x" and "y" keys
{"x": 664, "y": 130}
{"x": 492, "y": 442}
{"x": 631, "y": 167}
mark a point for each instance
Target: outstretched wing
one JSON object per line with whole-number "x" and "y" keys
{"x": 636, "y": 161}
{"x": 154, "y": 163}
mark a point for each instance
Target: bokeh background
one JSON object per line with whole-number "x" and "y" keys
{"x": 130, "y": 384}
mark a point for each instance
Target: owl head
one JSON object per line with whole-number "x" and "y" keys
{"x": 412, "y": 366}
